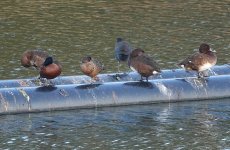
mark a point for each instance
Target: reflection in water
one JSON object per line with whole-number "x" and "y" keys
{"x": 201, "y": 125}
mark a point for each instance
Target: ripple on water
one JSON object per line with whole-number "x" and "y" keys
{"x": 10, "y": 142}
{"x": 25, "y": 138}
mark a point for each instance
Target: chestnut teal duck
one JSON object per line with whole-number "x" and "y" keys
{"x": 91, "y": 67}
{"x": 47, "y": 67}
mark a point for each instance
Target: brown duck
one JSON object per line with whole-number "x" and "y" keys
{"x": 143, "y": 64}
{"x": 200, "y": 61}
{"x": 91, "y": 67}
{"x": 44, "y": 63}
{"x": 50, "y": 69}
{"x": 33, "y": 58}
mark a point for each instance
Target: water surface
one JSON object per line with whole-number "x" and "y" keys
{"x": 186, "y": 125}
{"x": 168, "y": 30}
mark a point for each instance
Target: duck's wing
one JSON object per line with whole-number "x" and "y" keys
{"x": 87, "y": 68}
{"x": 194, "y": 61}
{"x": 98, "y": 64}
{"x": 147, "y": 60}
{"x": 38, "y": 58}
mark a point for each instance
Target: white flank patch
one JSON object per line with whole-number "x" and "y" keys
{"x": 133, "y": 69}
{"x": 205, "y": 67}
{"x": 182, "y": 66}
{"x": 155, "y": 72}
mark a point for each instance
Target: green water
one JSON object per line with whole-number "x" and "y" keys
{"x": 69, "y": 30}
{"x": 168, "y": 30}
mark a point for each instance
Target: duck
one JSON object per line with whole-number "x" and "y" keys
{"x": 33, "y": 58}
{"x": 200, "y": 61}
{"x": 43, "y": 62}
{"x": 143, "y": 64}
{"x": 50, "y": 69}
{"x": 122, "y": 50}
{"x": 91, "y": 67}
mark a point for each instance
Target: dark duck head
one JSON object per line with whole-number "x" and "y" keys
{"x": 205, "y": 48}
{"x": 50, "y": 69}
{"x": 137, "y": 52}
